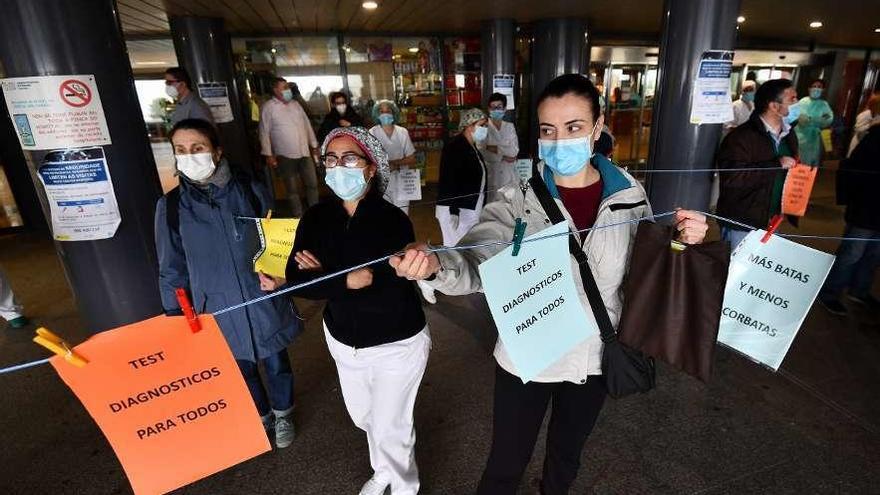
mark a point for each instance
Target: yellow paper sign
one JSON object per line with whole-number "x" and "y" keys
{"x": 276, "y": 241}
{"x": 826, "y": 140}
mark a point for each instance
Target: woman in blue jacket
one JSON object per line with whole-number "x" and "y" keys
{"x": 206, "y": 249}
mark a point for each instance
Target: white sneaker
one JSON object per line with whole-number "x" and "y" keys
{"x": 284, "y": 431}
{"x": 427, "y": 292}
{"x": 374, "y": 486}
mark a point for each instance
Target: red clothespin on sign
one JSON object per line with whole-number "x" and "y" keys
{"x": 188, "y": 310}
{"x": 771, "y": 229}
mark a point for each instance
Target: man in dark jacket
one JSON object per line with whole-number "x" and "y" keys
{"x": 765, "y": 141}
{"x": 342, "y": 114}
{"x": 857, "y": 261}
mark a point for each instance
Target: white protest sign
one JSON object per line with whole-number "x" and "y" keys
{"x": 216, "y": 95}
{"x": 80, "y": 194}
{"x": 711, "y": 102}
{"x": 535, "y": 303}
{"x": 503, "y": 83}
{"x": 770, "y": 288}
{"x": 56, "y": 112}
{"x": 409, "y": 185}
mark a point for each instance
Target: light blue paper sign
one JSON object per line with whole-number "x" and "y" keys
{"x": 535, "y": 303}
{"x": 770, "y": 288}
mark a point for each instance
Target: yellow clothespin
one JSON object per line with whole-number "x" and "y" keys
{"x": 55, "y": 344}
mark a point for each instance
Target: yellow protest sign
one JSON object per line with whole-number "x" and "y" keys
{"x": 276, "y": 243}
{"x": 172, "y": 403}
{"x": 826, "y": 140}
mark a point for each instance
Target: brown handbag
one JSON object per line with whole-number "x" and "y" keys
{"x": 673, "y": 299}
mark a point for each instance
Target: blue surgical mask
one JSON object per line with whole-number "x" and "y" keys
{"x": 794, "y": 111}
{"x": 287, "y": 95}
{"x": 566, "y": 156}
{"x": 480, "y": 133}
{"x": 496, "y": 114}
{"x": 386, "y": 118}
{"x": 815, "y": 93}
{"x": 748, "y": 97}
{"x": 347, "y": 183}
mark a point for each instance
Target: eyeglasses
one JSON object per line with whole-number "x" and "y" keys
{"x": 350, "y": 160}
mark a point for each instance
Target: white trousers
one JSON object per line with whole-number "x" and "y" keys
{"x": 379, "y": 385}
{"x": 9, "y": 307}
{"x": 454, "y": 227}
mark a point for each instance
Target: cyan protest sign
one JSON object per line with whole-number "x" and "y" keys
{"x": 535, "y": 303}
{"x": 770, "y": 288}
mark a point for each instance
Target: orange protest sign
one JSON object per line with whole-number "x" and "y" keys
{"x": 797, "y": 189}
{"x": 172, "y": 403}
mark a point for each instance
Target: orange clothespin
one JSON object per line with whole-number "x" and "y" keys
{"x": 57, "y": 345}
{"x": 188, "y": 310}
{"x": 771, "y": 229}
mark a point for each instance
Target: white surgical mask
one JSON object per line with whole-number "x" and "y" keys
{"x": 341, "y": 109}
{"x": 171, "y": 90}
{"x": 196, "y": 167}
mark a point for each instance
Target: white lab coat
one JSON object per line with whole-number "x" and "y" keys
{"x": 501, "y": 173}
{"x": 742, "y": 110}
{"x": 398, "y": 147}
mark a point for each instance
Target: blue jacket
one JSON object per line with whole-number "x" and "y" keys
{"x": 211, "y": 255}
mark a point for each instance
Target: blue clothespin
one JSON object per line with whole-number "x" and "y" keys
{"x": 519, "y": 231}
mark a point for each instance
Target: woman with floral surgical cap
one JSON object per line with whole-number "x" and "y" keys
{"x": 373, "y": 322}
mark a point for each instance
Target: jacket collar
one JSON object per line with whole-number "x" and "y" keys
{"x": 613, "y": 180}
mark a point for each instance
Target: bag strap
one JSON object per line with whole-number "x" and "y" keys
{"x": 600, "y": 312}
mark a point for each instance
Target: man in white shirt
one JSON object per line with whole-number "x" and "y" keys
{"x": 743, "y": 107}
{"x": 289, "y": 144}
{"x": 501, "y": 148}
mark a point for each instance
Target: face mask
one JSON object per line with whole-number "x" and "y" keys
{"x": 287, "y": 95}
{"x": 171, "y": 91}
{"x": 341, "y": 109}
{"x": 496, "y": 114}
{"x": 196, "y": 167}
{"x": 748, "y": 97}
{"x": 794, "y": 111}
{"x": 347, "y": 183}
{"x": 565, "y": 156}
{"x": 815, "y": 93}
{"x": 480, "y": 133}
{"x": 386, "y": 118}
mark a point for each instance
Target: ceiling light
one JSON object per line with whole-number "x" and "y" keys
{"x": 413, "y": 49}
{"x": 370, "y": 5}
{"x": 877, "y": 30}
{"x": 151, "y": 62}
{"x": 816, "y": 24}
{"x": 274, "y": 51}
{"x": 740, "y": 20}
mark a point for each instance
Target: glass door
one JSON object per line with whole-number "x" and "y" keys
{"x": 629, "y": 92}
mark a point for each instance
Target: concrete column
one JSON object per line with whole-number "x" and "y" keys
{"x": 114, "y": 281}
{"x": 497, "y": 46}
{"x": 204, "y": 49}
{"x": 675, "y": 142}
{"x": 562, "y": 46}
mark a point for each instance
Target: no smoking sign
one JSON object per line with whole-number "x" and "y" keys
{"x": 75, "y": 93}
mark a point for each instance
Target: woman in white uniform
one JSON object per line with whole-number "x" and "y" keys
{"x": 501, "y": 148}
{"x": 399, "y": 147}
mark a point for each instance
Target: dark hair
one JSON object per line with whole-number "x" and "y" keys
{"x": 497, "y": 97}
{"x": 276, "y": 80}
{"x": 575, "y": 84}
{"x": 820, "y": 81}
{"x": 769, "y": 92}
{"x": 180, "y": 74}
{"x": 604, "y": 145}
{"x": 336, "y": 94}
{"x": 203, "y": 127}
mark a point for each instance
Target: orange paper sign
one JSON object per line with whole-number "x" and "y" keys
{"x": 797, "y": 189}
{"x": 172, "y": 403}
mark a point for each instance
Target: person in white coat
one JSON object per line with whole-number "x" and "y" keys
{"x": 398, "y": 145}
{"x": 743, "y": 107}
{"x": 500, "y": 149}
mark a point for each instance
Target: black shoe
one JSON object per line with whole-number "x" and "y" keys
{"x": 833, "y": 306}
{"x": 867, "y": 301}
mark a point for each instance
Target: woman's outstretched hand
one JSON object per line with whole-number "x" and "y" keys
{"x": 416, "y": 263}
{"x": 691, "y": 226}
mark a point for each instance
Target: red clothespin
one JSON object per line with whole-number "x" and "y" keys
{"x": 188, "y": 310}
{"x": 771, "y": 229}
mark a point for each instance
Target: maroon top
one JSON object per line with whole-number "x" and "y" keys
{"x": 582, "y": 203}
